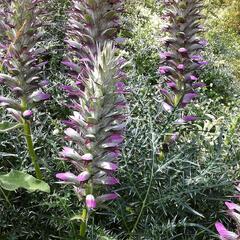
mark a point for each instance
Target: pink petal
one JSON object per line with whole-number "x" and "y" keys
{"x": 232, "y": 206}
{"x": 167, "y": 107}
{"x": 107, "y": 197}
{"x": 224, "y": 233}
{"x": 87, "y": 157}
{"x": 90, "y": 201}
{"x": 84, "y": 176}
{"x": 182, "y": 50}
{"x": 67, "y": 176}
{"x": 108, "y": 166}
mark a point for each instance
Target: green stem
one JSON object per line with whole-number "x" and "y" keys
{"x": 83, "y": 226}
{"x": 29, "y": 140}
{"x": 31, "y": 151}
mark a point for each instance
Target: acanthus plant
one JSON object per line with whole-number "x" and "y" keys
{"x": 21, "y": 33}
{"x": 234, "y": 212}
{"x": 95, "y": 130}
{"x": 181, "y": 62}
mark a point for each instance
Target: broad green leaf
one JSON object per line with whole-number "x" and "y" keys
{"x": 17, "y": 179}
{"x": 7, "y": 126}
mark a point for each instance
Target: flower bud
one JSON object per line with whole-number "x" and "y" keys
{"x": 91, "y": 203}
{"x": 28, "y": 114}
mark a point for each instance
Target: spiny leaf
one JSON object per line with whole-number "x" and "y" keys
{"x": 8, "y": 126}
{"x": 76, "y": 217}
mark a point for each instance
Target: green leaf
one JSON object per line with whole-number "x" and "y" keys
{"x": 77, "y": 217}
{"x": 17, "y": 179}
{"x": 7, "y": 126}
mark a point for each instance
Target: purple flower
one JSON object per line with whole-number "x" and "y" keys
{"x": 233, "y": 212}
{"x": 84, "y": 38}
{"x": 87, "y": 157}
{"x": 18, "y": 91}
{"x": 167, "y": 107}
{"x": 196, "y": 57}
{"x": 67, "y": 176}
{"x": 95, "y": 129}
{"x": 190, "y": 118}
{"x": 224, "y": 233}
{"x": 186, "y": 119}
{"x": 15, "y": 114}
{"x": 107, "y": 181}
{"x": 166, "y": 55}
{"x": 172, "y": 85}
{"x": 73, "y": 135}
{"x": 191, "y": 78}
{"x": 182, "y": 50}
{"x": 198, "y": 85}
{"x": 121, "y": 88}
{"x": 203, "y": 42}
{"x": 116, "y": 138}
{"x": 203, "y": 63}
{"x": 39, "y": 96}
{"x": 180, "y": 66}
{"x": 91, "y": 203}
{"x": 10, "y": 103}
{"x": 44, "y": 83}
{"x": 27, "y": 114}
{"x": 108, "y": 166}
{"x": 107, "y": 197}
{"x": 164, "y": 70}
{"x": 72, "y": 65}
{"x": 189, "y": 97}
{"x": 84, "y": 176}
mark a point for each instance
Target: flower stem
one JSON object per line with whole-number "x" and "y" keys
{"x": 83, "y": 226}
{"x": 31, "y": 151}
{"x": 29, "y": 140}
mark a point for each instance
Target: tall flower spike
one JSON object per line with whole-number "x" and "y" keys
{"x": 91, "y": 24}
{"x": 22, "y": 31}
{"x": 181, "y": 62}
{"x": 96, "y": 129}
{"x": 234, "y": 213}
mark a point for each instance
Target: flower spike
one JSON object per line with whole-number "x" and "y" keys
{"x": 181, "y": 62}
{"x": 91, "y": 24}
{"x": 21, "y": 32}
{"x": 97, "y": 129}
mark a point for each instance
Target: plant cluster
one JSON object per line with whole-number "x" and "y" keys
{"x": 108, "y": 146}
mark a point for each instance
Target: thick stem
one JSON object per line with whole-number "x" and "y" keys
{"x": 31, "y": 151}
{"x": 83, "y": 226}
{"x": 28, "y": 137}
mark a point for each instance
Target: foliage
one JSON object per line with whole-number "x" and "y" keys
{"x": 16, "y": 179}
{"x": 179, "y": 197}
